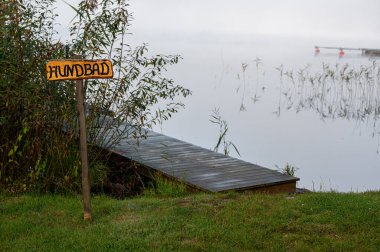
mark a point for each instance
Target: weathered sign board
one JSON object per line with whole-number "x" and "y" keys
{"x": 78, "y": 69}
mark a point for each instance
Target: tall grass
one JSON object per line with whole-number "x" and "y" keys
{"x": 222, "y": 142}
{"x": 163, "y": 187}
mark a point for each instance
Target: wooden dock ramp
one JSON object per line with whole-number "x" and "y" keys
{"x": 201, "y": 168}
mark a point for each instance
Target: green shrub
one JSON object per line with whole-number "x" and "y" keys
{"x": 32, "y": 110}
{"x": 38, "y": 141}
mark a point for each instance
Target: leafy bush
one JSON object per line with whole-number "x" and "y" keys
{"x": 38, "y": 142}
{"x": 31, "y": 110}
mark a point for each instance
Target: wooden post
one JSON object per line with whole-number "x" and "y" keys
{"x": 83, "y": 149}
{"x": 78, "y": 69}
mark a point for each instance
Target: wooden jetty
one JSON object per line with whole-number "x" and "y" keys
{"x": 365, "y": 51}
{"x": 201, "y": 168}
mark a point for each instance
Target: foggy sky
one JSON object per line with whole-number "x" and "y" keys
{"x": 322, "y": 18}
{"x": 337, "y": 18}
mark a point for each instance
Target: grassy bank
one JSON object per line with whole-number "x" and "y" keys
{"x": 201, "y": 222}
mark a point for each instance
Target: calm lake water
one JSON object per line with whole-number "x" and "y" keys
{"x": 331, "y": 154}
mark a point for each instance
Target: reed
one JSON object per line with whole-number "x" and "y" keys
{"x": 222, "y": 142}
{"x": 338, "y": 91}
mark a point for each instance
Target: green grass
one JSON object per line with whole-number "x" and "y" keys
{"x": 198, "y": 222}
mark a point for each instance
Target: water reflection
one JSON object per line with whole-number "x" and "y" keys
{"x": 252, "y": 90}
{"x": 338, "y": 91}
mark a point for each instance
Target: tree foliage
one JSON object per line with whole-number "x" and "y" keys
{"x": 38, "y": 142}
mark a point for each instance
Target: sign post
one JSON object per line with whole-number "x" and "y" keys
{"x": 78, "y": 70}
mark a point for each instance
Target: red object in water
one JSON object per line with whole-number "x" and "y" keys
{"x": 317, "y": 50}
{"x": 341, "y": 53}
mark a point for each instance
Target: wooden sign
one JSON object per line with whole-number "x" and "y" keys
{"x": 78, "y": 69}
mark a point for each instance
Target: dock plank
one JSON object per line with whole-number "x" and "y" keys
{"x": 197, "y": 166}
